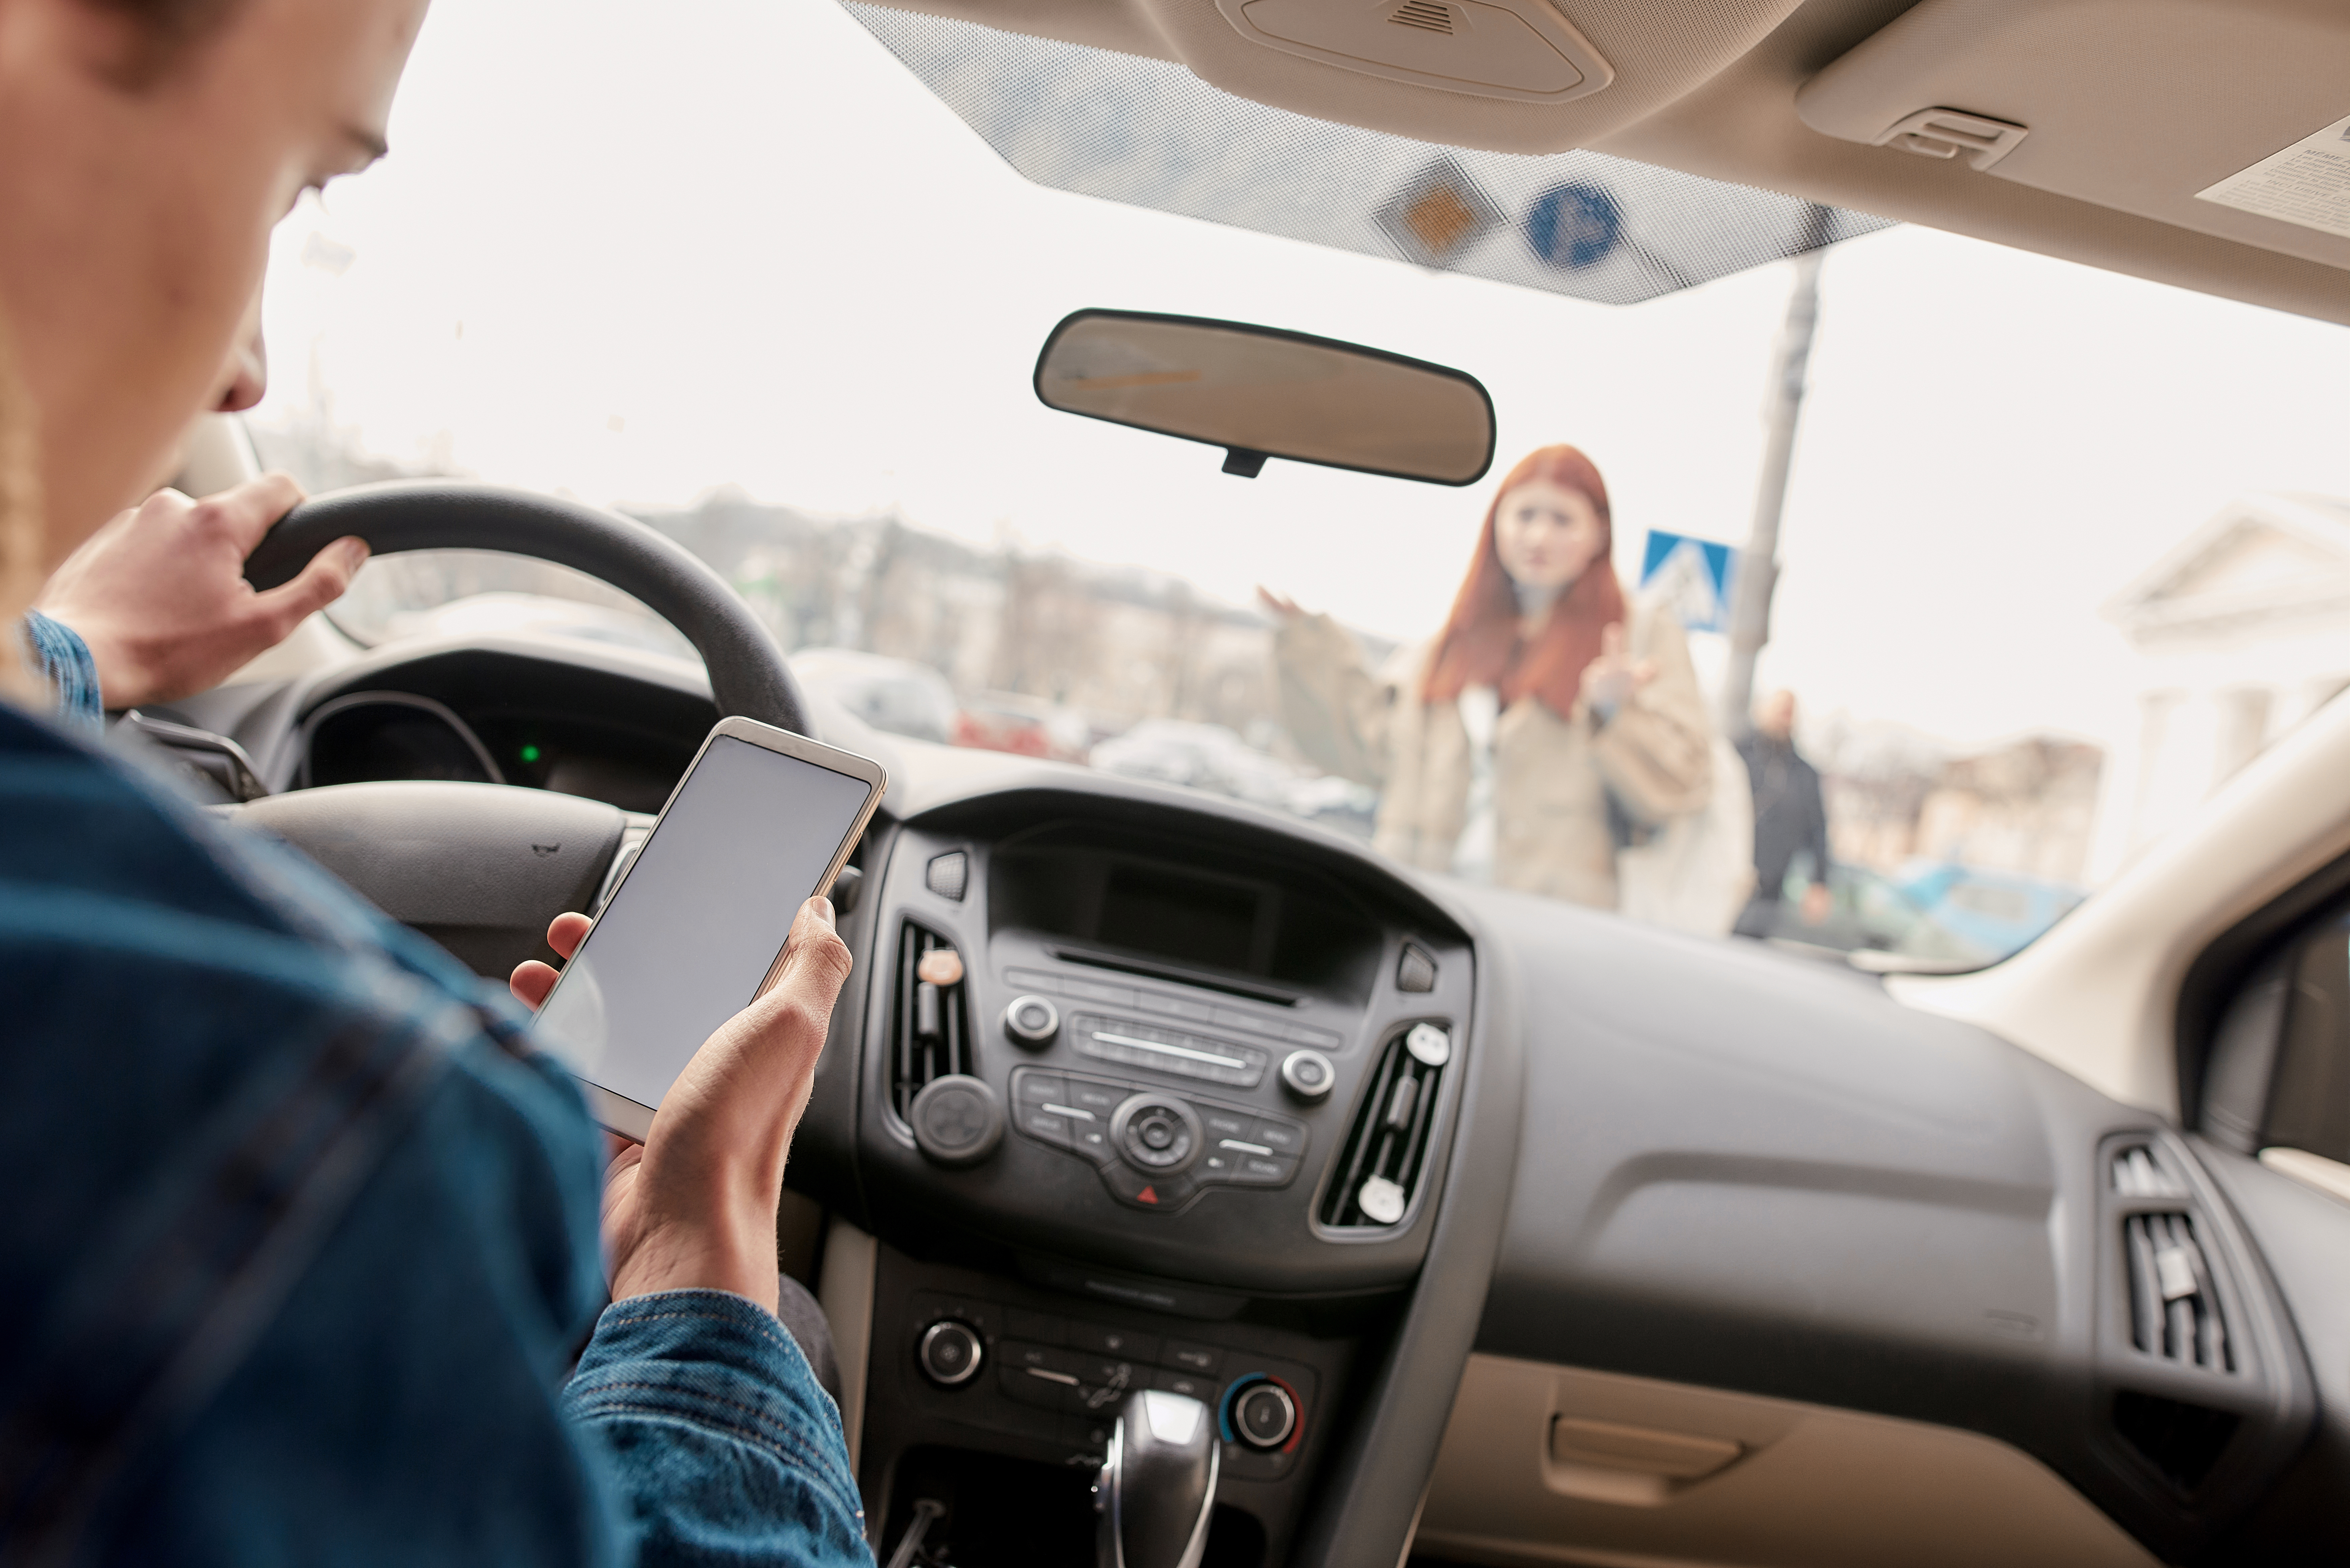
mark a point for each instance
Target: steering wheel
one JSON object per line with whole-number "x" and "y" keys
{"x": 482, "y": 868}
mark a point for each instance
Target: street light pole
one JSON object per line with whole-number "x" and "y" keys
{"x": 1758, "y": 564}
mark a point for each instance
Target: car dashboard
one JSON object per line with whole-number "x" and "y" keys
{"x": 1590, "y": 1221}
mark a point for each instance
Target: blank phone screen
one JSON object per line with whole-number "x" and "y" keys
{"x": 696, "y": 926}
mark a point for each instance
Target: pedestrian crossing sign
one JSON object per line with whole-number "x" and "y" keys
{"x": 1691, "y": 577}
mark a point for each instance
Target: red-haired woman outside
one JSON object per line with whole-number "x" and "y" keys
{"x": 1548, "y": 726}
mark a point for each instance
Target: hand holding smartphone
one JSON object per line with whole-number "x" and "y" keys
{"x": 762, "y": 821}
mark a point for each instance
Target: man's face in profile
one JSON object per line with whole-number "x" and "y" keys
{"x": 142, "y": 183}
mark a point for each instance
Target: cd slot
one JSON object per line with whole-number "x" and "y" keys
{"x": 1127, "y": 999}
{"x": 1133, "y": 1043}
{"x": 1231, "y": 985}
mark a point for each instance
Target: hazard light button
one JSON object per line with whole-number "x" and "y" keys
{"x": 1146, "y": 1189}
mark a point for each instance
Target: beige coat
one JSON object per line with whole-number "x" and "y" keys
{"x": 1551, "y": 775}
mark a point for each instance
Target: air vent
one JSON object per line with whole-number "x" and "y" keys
{"x": 2203, "y": 1394}
{"x": 931, "y": 1023}
{"x": 1386, "y": 1155}
{"x": 2175, "y": 1312}
{"x": 1424, "y": 13}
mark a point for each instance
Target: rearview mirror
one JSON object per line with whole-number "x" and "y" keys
{"x": 1260, "y": 392}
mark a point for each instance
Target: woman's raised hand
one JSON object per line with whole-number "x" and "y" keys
{"x": 1281, "y": 606}
{"x": 694, "y": 1205}
{"x": 1610, "y": 679}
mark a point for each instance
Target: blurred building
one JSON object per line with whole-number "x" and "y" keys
{"x": 2241, "y": 632}
{"x": 2028, "y": 808}
{"x": 322, "y": 455}
{"x": 1116, "y": 643}
{"x": 1873, "y": 780}
{"x": 1894, "y": 796}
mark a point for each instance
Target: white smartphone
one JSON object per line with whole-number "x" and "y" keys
{"x": 762, "y": 821}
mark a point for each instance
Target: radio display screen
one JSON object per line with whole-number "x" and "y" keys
{"x": 1186, "y": 919}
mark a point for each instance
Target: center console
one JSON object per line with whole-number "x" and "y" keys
{"x": 1139, "y": 1109}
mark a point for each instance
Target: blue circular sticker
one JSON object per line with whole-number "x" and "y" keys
{"x": 1574, "y": 226}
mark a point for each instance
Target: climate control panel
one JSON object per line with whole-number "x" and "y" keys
{"x": 950, "y": 1353}
{"x": 1260, "y": 1413}
{"x": 1155, "y": 1149}
{"x": 1061, "y": 1377}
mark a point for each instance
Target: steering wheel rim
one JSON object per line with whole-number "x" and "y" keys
{"x": 747, "y": 672}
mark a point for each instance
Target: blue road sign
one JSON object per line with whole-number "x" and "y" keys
{"x": 1574, "y": 226}
{"x": 1691, "y": 576}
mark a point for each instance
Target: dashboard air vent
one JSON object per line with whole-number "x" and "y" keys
{"x": 2175, "y": 1312}
{"x": 1380, "y": 1168}
{"x": 929, "y": 1025}
{"x": 1426, "y": 15}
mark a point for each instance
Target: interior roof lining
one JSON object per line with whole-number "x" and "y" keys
{"x": 1151, "y": 133}
{"x": 1739, "y": 126}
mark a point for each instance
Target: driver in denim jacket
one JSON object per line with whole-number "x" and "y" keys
{"x": 304, "y": 1262}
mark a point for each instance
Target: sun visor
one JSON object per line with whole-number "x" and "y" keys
{"x": 1149, "y": 133}
{"x": 2229, "y": 117}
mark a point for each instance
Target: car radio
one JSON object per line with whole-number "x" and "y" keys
{"x": 1155, "y": 1149}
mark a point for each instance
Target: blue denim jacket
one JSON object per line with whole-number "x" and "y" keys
{"x": 62, "y": 658}
{"x": 301, "y": 1241}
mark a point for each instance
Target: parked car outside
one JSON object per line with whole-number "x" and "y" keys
{"x": 1202, "y": 756}
{"x": 1336, "y": 803}
{"x": 1993, "y": 912}
{"x": 1940, "y": 912}
{"x": 1027, "y": 726}
{"x": 1213, "y": 758}
{"x": 893, "y": 694}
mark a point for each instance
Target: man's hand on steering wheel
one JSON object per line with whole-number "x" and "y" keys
{"x": 694, "y": 1205}
{"x": 159, "y": 594}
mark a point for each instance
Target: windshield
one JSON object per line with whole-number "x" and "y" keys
{"x": 734, "y": 268}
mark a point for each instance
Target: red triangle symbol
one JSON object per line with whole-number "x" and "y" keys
{"x": 1148, "y": 1195}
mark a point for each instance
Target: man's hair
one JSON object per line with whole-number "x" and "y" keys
{"x": 161, "y": 32}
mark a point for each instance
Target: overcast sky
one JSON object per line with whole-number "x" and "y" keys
{"x": 647, "y": 249}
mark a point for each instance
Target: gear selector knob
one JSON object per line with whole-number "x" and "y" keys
{"x": 1158, "y": 1486}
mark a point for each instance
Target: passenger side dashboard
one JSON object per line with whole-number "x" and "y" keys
{"x": 1773, "y": 1180}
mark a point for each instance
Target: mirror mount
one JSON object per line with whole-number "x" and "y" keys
{"x": 1262, "y": 392}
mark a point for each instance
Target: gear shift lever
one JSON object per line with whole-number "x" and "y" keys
{"x": 1159, "y": 1484}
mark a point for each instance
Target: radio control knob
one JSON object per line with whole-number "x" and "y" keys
{"x": 1158, "y": 1134}
{"x": 1033, "y": 1021}
{"x": 949, "y": 1352}
{"x": 1265, "y": 1415}
{"x": 1308, "y": 1074}
{"x": 957, "y": 1120}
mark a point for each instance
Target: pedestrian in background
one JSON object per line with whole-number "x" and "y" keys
{"x": 1791, "y": 818}
{"x": 1548, "y": 726}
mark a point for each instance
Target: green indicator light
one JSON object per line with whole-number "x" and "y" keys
{"x": 530, "y": 753}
